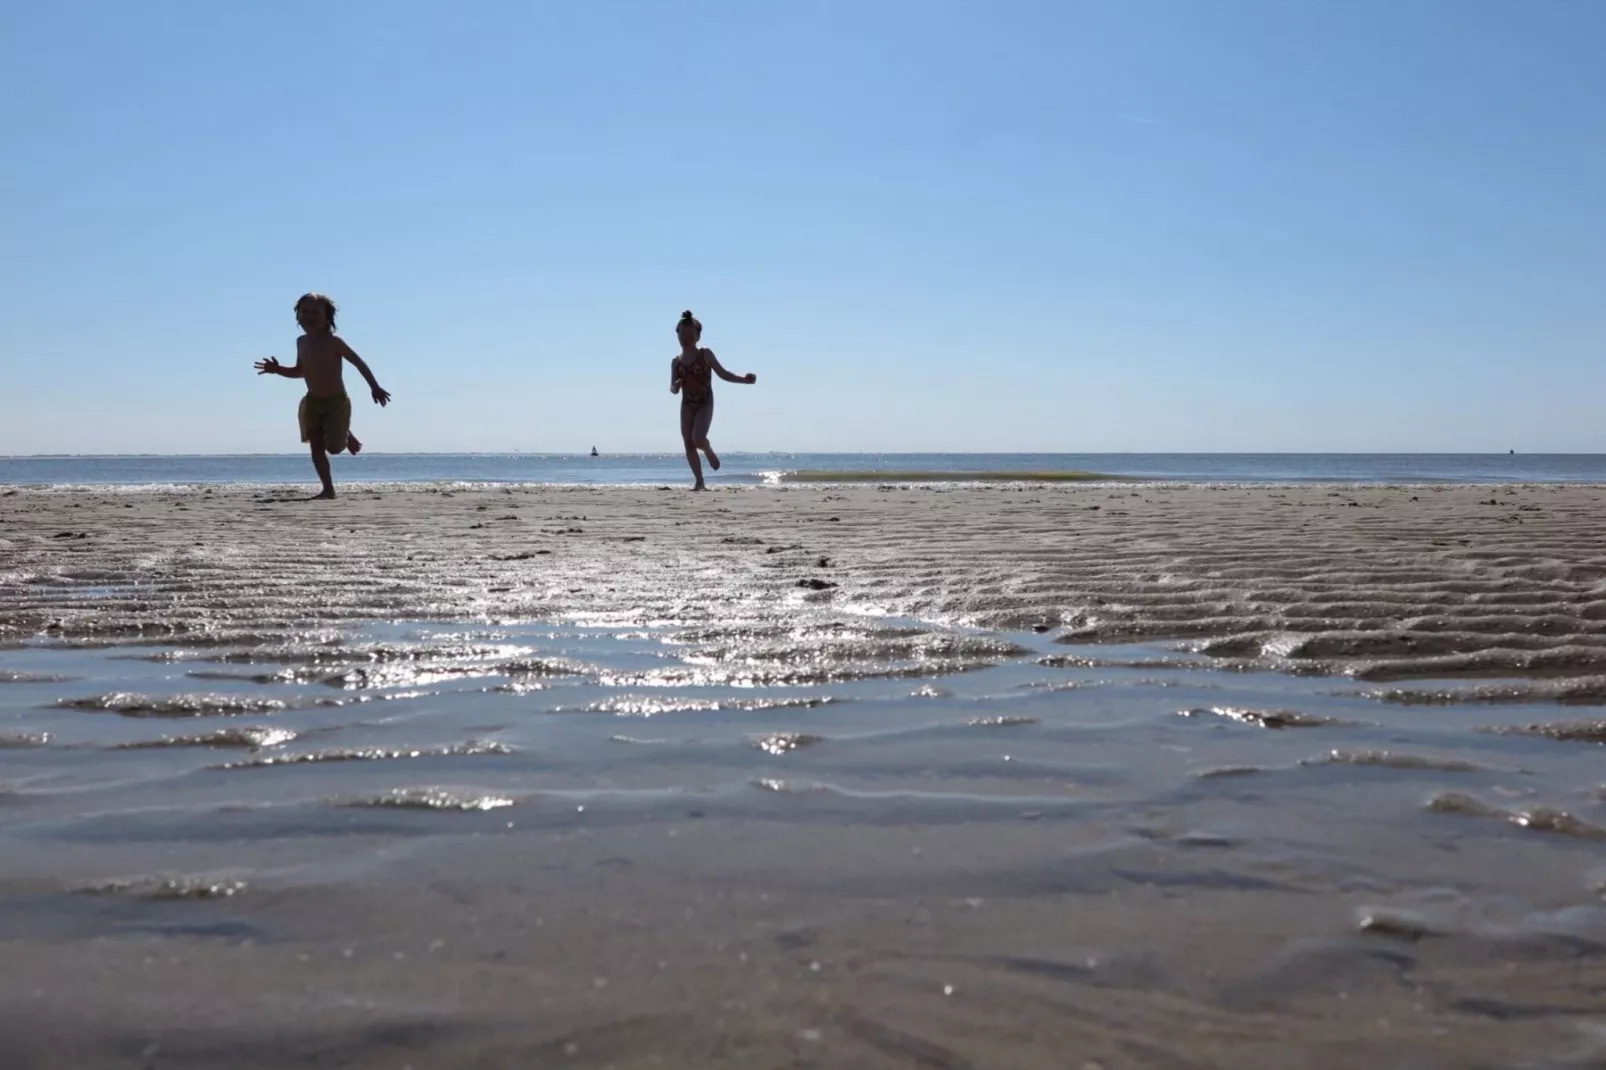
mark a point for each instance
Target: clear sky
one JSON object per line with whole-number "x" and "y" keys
{"x": 1031, "y": 225}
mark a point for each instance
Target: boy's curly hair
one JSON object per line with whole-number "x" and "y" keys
{"x": 324, "y": 301}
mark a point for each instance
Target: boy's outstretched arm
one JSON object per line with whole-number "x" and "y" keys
{"x": 730, "y": 377}
{"x": 381, "y": 395}
{"x": 271, "y": 366}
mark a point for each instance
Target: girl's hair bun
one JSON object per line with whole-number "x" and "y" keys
{"x": 686, "y": 315}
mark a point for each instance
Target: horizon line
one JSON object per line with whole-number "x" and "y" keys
{"x": 827, "y": 453}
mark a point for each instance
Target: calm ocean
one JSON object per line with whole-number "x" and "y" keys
{"x": 754, "y": 468}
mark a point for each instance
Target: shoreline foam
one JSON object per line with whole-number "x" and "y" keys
{"x": 916, "y": 476}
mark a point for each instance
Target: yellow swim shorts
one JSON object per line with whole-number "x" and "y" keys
{"x": 331, "y": 415}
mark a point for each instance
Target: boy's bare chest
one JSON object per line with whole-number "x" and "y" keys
{"x": 318, "y": 354}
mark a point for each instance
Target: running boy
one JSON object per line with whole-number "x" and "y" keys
{"x": 325, "y": 412}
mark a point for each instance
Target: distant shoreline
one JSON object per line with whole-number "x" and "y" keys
{"x": 818, "y": 469}
{"x": 826, "y": 476}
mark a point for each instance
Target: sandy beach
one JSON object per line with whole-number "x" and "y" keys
{"x": 1028, "y": 775}
{"x": 1491, "y": 579}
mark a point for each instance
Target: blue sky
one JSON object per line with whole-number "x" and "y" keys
{"x": 1073, "y": 225}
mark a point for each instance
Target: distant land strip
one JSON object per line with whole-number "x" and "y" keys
{"x": 818, "y": 476}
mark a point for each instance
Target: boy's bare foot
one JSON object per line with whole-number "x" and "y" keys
{"x": 353, "y": 447}
{"x": 713, "y": 458}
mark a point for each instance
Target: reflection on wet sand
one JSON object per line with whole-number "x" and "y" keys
{"x": 1022, "y": 785}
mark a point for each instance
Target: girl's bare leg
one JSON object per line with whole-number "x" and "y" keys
{"x": 705, "y": 417}
{"x": 352, "y": 445}
{"x": 686, "y": 435}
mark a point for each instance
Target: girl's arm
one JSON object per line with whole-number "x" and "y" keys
{"x": 674, "y": 375}
{"x": 729, "y": 377}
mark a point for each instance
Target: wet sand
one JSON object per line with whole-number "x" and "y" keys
{"x": 948, "y": 776}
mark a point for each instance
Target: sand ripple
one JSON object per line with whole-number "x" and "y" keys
{"x": 640, "y": 706}
{"x": 1264, "y": 718}
{"x": 1567, "y": 731}
{"x": 434, "y": 799}
{"x": 1418, "y": 582}
{"x": 1395, "y": 760}
{"x": 373, "y": 754}
{"x": 1538, "y": 818}
{"x": 131, "y": 704}
{"x": 784, "y": 742}
{"x": 1581, "y": 691}
{"x": 169, "y": 887}
{"x": 252, "y": 737}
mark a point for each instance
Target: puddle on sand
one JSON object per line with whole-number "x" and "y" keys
{"x": 843, "y": 764}
{"x": 533, "y": 707}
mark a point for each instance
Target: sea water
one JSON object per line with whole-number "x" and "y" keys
{"x": 756, "y": 468}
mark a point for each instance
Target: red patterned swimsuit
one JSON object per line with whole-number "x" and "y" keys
{"x": 696, "y": 380}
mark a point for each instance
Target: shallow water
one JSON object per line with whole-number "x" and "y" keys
{"x": 770, "y": 778}
{"x": 870, "y": 707}
{"x": 191, "y": 796}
